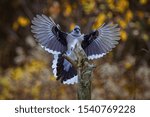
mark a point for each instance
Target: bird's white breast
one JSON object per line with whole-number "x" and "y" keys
{"x": 73, "y": 40}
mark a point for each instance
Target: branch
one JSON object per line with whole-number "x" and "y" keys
{"x": 84, "y": 70}
{"x": 70, "y": 60}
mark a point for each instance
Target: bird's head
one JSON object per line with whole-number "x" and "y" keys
{"x": 76, "y": 31}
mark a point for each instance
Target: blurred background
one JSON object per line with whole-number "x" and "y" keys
{"x": 25, "y": 68}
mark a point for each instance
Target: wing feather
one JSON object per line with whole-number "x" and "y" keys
{"x": 101, "y": 41}
{"x": 48, "y": 35}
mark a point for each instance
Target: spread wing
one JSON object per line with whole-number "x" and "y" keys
{"x": 47, "y": 33}
{"x": 97, "y": 43}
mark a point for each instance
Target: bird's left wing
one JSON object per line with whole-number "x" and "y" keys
{"x": 101, "y": 41}
{"x": 47, "y": 33}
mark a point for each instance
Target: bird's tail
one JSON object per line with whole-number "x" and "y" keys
{"x": 63, "y": 70}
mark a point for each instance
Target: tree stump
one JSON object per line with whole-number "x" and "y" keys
{"x": 84, "y": 70}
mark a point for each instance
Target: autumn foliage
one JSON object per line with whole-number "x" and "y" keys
{"x": 25, "y": 68}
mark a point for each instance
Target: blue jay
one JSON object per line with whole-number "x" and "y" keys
{"x": 95, "y": 44}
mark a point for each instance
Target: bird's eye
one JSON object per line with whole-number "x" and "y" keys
{"x": 75, "y": 29}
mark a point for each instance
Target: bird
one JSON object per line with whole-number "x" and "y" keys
{"x": 52, "y": 39}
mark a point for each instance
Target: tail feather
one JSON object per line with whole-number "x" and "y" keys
{"x": 54, "y": 65}
{"x": 63, "y": 70}
{"x": 72, "y": 80}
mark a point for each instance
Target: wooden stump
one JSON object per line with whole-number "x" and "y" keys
{"x": 84, "y": 70}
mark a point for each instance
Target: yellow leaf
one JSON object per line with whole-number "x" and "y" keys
{"x": 99, "y": 20}
{"x": 109, "y": 14}
{"x": 35, "y": 91}
{"x": 23, "y": 21}
{"x": 72, "y": 25}
{"x": 110, "y": 1}
{"x": 111, "y": 4}
{"x": 140, "y": 14}
{"x": 143, "y": 2}
{"x": 52, "y": 78}
{"x": 17, "y": 73}
{"x": 15, "y": 26}
{"x": 122, "y": 23}
{"x": 34, "y": 66}
{"x": 145, "y": 37}
{"x": 128, "y": 65}
{"x": 123, "y": 35}
{"x": 129, "y": 16}
{"x": 88, "y": 5}
{"x": 68, "y": 10}
{"x": 122, "y": 5}
{"x": 5, "y": 82}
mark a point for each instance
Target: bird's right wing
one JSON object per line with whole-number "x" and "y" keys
{"x": 50, "y": 37}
